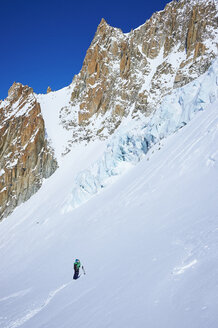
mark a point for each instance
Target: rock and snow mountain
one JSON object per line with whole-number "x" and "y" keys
{"x": 148, "y": 241}
{"x": 124, "y": 76}
{"x": 133, "y": 140}
{"x": 130, "y": 153}
{"x": 128, "y": 74}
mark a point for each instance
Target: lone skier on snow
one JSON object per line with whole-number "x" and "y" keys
{"x": 77, "y": 266}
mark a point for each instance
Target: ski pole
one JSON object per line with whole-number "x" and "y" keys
{"x": 83, "y": 270}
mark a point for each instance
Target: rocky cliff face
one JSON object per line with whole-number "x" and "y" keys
{"x": 128, "y": 74}
{"x": 25, "y": 156}
{"x": 123, "y": 74}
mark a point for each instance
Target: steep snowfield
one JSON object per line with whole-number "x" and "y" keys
{"x": 149, "y": 242}
{"x": 51, "y": 105}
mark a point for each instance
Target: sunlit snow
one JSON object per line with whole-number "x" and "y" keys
{"x": 148, "y": 238}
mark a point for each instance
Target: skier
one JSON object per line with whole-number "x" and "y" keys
{"x": 77, "y": 266}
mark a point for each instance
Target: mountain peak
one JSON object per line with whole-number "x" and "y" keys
{"x": 17, "y": 89}
{"x": 102, "y": 26}
{"x": 103, "y": 22}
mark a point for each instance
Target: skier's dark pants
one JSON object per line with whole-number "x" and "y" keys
{"x": 76, "y": 274}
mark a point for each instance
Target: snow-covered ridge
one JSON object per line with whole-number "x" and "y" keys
{"x": 134, "y": 138}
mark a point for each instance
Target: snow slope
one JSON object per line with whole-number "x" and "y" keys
{"x": 51, "y": 105}
{"x": 148, "y": 241}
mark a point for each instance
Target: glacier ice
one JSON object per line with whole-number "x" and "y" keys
{"x": 133, "y": 139}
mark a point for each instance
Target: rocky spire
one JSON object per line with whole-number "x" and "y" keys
{"x": 49, "y": 89}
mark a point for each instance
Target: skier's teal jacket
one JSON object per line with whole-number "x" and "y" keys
{"x": 77, "y": 265}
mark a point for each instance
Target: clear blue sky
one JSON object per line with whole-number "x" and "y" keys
{"x": 44, "y": 42}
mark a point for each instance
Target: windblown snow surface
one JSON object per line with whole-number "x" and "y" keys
{"x": 148, "y": 238}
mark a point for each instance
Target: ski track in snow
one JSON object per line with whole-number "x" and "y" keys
{"x": 31, "y": 313}
{"x": 14, "y": 295}
{"x": 182, "y": 269}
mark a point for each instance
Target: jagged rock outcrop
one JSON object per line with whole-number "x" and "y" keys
{"x": 49, "y": 89}
{"x": 25, "y": 156}
{"x": 128, "y": 74}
